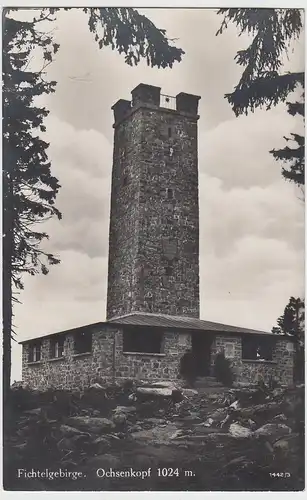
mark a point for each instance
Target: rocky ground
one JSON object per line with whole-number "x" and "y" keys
{"x": 236, "y": 439}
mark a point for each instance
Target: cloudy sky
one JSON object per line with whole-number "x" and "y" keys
{"x": 251, "y": 246}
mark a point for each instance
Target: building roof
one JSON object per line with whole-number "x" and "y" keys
{"x": 161, "y": 321}
{"x": 180, "y": 322}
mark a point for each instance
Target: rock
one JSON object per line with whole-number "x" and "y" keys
{"x": 152, "y": 391}
{"x": 281, "y": 416}
{"x": 91, "y": 424}
{"x": 154, "y": 420}
{"x": 238, "y": 431}
{"x": 34, "y": 411}
{"x": 272, "y": 431}
{"x": 119, "y": 418}
{"x": 158, "y": 434}
{"x": 125, "y": 409}
{"x": 96, "y": 386}
{"x": 132, "y": 397}
{"x": 69, "y": 431}
{"x": 269, "y": 410}
{"x": 189, "y": 392}
{"x": 208, "y": 422}
{"x": 251, "y": 423}
{"x": 235, "y": 405}
{"x": 164, "y": 384}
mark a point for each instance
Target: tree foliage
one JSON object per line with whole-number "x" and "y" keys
{"x": 263, "y": 83}
{"x": 292, "y": 321}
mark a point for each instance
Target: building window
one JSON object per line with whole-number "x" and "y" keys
{"x": 57, "y": 347}
{"x": 145, "y": 339}
{"x": 255, "y": 348}
{"x": 83, "y": 342}
{"x": 35, "y": 352}
{"x": 229, "y": 350}
{"x": 169, "y": 132}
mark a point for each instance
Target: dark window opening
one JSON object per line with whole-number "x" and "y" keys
{"x": 57, "y": 347}
{"x": 125, "y": 180}
{"x": 83, "y": 342}
{"x": 35, "y": 352}
{"x": 169, "y": 132}
{"x": 145, "y": 339}
{"x": 170, "y": 193}
{"x": 255, "y": 348}
{"x": 168, "y": 270}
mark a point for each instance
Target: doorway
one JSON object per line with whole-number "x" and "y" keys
{"x": 201, "y": 349}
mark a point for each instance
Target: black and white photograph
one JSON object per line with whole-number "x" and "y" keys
{"x": 153, "y": 279}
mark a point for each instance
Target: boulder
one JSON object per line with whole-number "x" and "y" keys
{"x": 69, "y": 431}
{"x": 91, "y": 424}
{"x": 208, "y": 422}
{"x": 164, "y": 384}
{"x": 272, "y": 432}
{"x": 124, "y": 409}
{"x": 155, "y": 391}
{"x": 34, "y": 411}
{"x": 119, "y": 418}
{"x": 159, "y": 434}
{"x": 235, "y": 405}
{"x": 238, "y": 431}
{"x": 281, "y": 417}
{"x": 189, "y": 392}
{"x": 96, "y": 386}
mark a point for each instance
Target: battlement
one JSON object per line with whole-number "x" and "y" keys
{"x": 150, "y": 96}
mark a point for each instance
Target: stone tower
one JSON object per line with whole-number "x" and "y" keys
{"x": 154, "y": 222}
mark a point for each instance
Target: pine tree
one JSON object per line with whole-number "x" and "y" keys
{"x": 29, "y": 188}
{"x": 262, "y": 83}
{"x": 292, "y": 322}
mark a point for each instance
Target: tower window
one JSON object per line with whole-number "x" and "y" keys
{"x": 169, "y": 132}
{"x": 170, "y": 193}
{"x": 168, "y": 270}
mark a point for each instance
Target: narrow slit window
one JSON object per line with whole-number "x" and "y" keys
{"x": 169, "y": 132}
{"x": 168, "y": 271}
{"x": 170, "y": 193}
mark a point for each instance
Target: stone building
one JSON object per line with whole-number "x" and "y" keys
{"x": 153, "y": 273}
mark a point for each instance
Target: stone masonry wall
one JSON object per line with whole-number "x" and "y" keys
{"x": 154, "y": 367}
{"x": 154, "y": 223}
{"x": 249, "y": 371}
{"x": 72, "y": 371}
{"x": 75, "y": 371}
